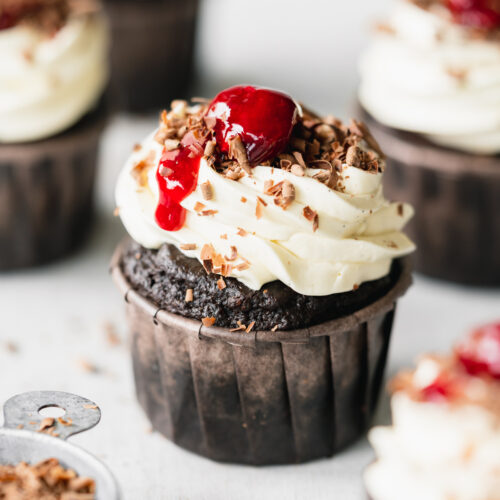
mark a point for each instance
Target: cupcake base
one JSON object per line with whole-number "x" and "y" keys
{"x": 152, "y": 51}
{"x": 259, "y": 397}
{"x": 46, "y": 194}
{"x": 456, "y": 226}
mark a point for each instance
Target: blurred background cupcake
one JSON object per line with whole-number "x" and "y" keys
{"x": 430, "y": 91}
{"x": 54, "y": 71}
{"x": 152, "y": 51}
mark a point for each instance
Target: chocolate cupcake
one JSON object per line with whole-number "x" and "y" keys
{"x": 262, "y": 282}
{"x": 430, "y": 93}
{"x": 152, "y": 51}
{"x": 54, "y": 70}
{"x": 445, "y": 439}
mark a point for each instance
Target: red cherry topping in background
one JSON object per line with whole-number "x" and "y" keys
{"x": 440, "y": 390}
{"x": 483, "y": 14}
{"x": 182, "y": 166}
{"x": 479, "y": 353}
{"x": 263, "y": 118}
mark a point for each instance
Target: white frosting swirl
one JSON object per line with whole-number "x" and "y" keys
{"x": 437, "y": 452}
{"x": 357, "y": 238}
{"x": 48, "y": 83}
{"x": 430, "y": 77}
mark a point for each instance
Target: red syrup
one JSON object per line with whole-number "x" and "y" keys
{"x": 484, "y": 14}
{"x": 439, "y": 391}
{"x": 479, "y": 353}
{"x": 263, "y": 119}
{"x": 182, "y": 166}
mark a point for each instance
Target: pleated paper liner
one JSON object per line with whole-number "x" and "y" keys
{"x": 152, "y": 51}
{"x": 456, "y": 196}
{"x": 261, "y": 397}
{"x": 46, "y": 194}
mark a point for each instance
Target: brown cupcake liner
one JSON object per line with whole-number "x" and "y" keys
{"x": 456, "y": 196}
{"x": 46, "y": 194}
{"x": 262, "y": 397}
{"x": 152, "y": 52}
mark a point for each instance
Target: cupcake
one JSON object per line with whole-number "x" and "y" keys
{"x": 152, "y": 51}
{"x": 445, "y": 439}
{"x": 54, "y": 70}
{"x": 430, "y": 93}
{"x": 261, "y": 278}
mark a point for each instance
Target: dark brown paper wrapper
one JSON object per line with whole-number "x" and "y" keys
{"x": 261, "y": 397}
{"x": 46, "y": 193}
{"x": 456, "y": 196}
{"x": 152, "y": 52}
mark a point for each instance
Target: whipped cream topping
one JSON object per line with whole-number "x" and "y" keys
{"x": 358, "y": 236}
{"x": 426, "y": 74}
{"x": 436, "y": 450}
{"x": 47, "y": 83}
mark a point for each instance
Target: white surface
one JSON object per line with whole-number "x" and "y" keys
{"x": 55, "y": 315}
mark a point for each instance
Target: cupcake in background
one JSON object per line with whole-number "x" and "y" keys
{"x": 54, "y": 57}
{"x": 152, "y": 51}
{"x": 430, "y": 92}
{"x": 263, "y": 278}
{"x": 445, "y": 439}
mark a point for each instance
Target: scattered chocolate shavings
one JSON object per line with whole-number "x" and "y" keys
{"x": 206, "y": 190}
{"x": 116, "y": 212}
{"x": 171, "y": 144}
{"x": 189, "y": 295}
{"x": 207, "y": 265}
{"x": 165, "y": 171}
{"x": 259, "y": 210}
{"x": 353, "y": 156}
{"x": 298, "y": 170}
{"x": 312, "y": 216}
{"x": 221, "y": 284}
{"x": 111, "y": 334}
{"x": 234, "y": 254}
{"x": 66, "y": 422}
{"x": 240, "y": 327}
{"x": 385, "y": 28}
{"x": 223, "y": 236}
{"x": 458, "y": 74}
{"x": 207, "y": 252}
{"x": 47, "y": 480}
{"x": 140, "y": 170}
{"x": 209, "y": 148}
{"x": 355, "y": 286}
{"x": 87, "y": 366}
{"x": 206, "y": 213}
{"x": 241, "y": 232}
{"x": 299, "y": 158}
{"x": 90, "y": 407}
{"x": 243, "y": 199}
{"x": 11, "y": 347}
{"x": 250, "y": 326}
{"x": 400, "y": 209}
{"x": 198, "y": 207}
{"x": 242, "y": 267}
{"x": 208, "y": 321}
{"x": 46, "y": 424}
{"x": 137, "y": 147}
{"x": 238, "y": 152}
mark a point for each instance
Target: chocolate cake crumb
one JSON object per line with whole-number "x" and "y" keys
{"x": 164, "y": 275}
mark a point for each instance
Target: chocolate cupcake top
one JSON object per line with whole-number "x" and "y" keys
{"x": 434, "y": 68}
{"x": 54, "y": 65}
{"x": 445, "y": 438}
{"x": 258, "y": 188}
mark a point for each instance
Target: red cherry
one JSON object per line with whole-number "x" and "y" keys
{"x": 483, "y": 14}
{"x": 177, "y": 176}
{"x": 479, "y": 353}
{"x": 440, "y": 390}
{"x": 263, "y": 118}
